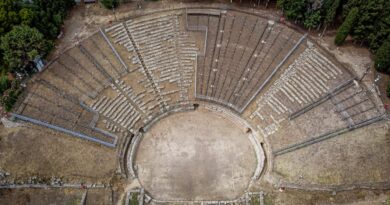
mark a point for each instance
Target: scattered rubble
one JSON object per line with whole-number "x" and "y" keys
{"x": 9, "y": 124}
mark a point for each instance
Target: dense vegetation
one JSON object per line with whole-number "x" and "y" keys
{"x": 20, "y": 46}
{"x": 310, "y": 13}
{"x": 382, "y": 58}
{"x": 110, "y": 4}
{"x": 134, "y": 198}
{"x": 346, "y": 27}
{"x": 27, "y": 31}
{"x": 388, "y": 89}
{"x": 366, "y": 21}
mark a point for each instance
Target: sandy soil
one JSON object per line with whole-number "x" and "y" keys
{"x": 33, "y": 151}
{"x": 195, "y": 156}
{"x": 26, "y": 152}
{"x": 54, "y": 196}
{"x": 359, "y": 156}
{"x": 365, "y": 197}
{"x": 359, "y": 60}
{"x": 41, "y": 196}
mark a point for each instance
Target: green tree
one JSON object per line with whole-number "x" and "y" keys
{"x": 293, "y": 9}
{"x": 373, "y": 25}
{"x": 133, "y": 198}
{"x": 21, "y": 45}
{"x": 8, "y": 15}
{"x": 4, "y": 83}
{"x": 327, "y": 4}
{"x": 330, "y": 8}
{"x": 382, "y": 58}
{"x": 26, "y": 16}
{"x": 312, "y": 19}
{"x": 10, "y": 97}
{"x": 110, "y": 4}
{"x": 49, "y": 15}
{"x": 388, "y": 95}
{"x": 347, "y": 26}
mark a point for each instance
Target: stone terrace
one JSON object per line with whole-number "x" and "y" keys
{"x": 127, "y": 76}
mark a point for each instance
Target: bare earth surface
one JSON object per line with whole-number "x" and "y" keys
{"x": 212, "y": 160}
{"x": 356, "y": 157}
{"x": 41, "y": 196}
{"x": 33, "y": 151}
{"x": 195, "y": 156}
{"x": 293, "y": 197}
{"x": 54, "y": 196}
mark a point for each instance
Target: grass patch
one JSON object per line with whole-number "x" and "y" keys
{"x": 133, "y": 198}
{"x": 255, "y": 200}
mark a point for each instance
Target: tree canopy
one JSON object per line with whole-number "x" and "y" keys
{"x": 27, "y": 30}
{"x": 49, "y": 15}
{"x": 329, "y": 10}
{"x": 110, "y": 4}
{"x": 366, "y": 21}
{"x": 293, "y": 9}
{"x": 21, "y": 45}
{"x": 312, "y": 20}
{"x": 347, "y": 26}
{"x": 373, "y": 25}
{"x": 9, "y": 15}
{"x": 382, "y": 58}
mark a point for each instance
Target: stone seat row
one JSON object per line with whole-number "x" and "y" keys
{"x": 118, "y": 110}
{"x": 119, "y": 33}
{"x": 144, "y": 104}
{"x": 148, "y": 20}
{"x": 158, "y": 44}
{"x": 301, "y": 83}
{"x": 112, "y": 127}
{"x": 355, "y": 105}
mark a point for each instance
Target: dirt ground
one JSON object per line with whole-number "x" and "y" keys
{"x": 41, "y": 196}
{"x": 54, "y": 196}
{"x": 360, "y": 156}
{"x": 84, "y": 20}
{"x": 296, "y": 197}
{"x": 382, "y": 84}
{"x": 356, "y": 58}
{"x": 359, "y": 60}
{"x": 195, "y": 156}
{"x": 33, "y": 151}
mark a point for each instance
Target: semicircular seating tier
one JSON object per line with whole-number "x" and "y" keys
{"x": 130, "y": 74}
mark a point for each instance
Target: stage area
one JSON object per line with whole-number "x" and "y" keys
{"x": 195, "y": 156}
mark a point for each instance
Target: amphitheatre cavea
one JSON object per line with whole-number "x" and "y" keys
{"x": 172, "y": 102}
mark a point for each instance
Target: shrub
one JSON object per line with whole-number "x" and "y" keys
{"x": 372, "y": 27}
{"x": 9, "y": 98}
{"x": 331, "y": 10}
{"x": 312, "y": 19}
{"x": 388, "y": 89}
{"x": 4, "y": 83}
{"x": 382, "y": 58}
{"x": 26, "y": 16}
{"x": 21, "y": 45}
{"x": 346, "y": 27}
{"x": 293, "y": 9}
{"x": 134, "y": 198}
{"x": 110, "y": 4}
{"x": 49, "y": 16}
